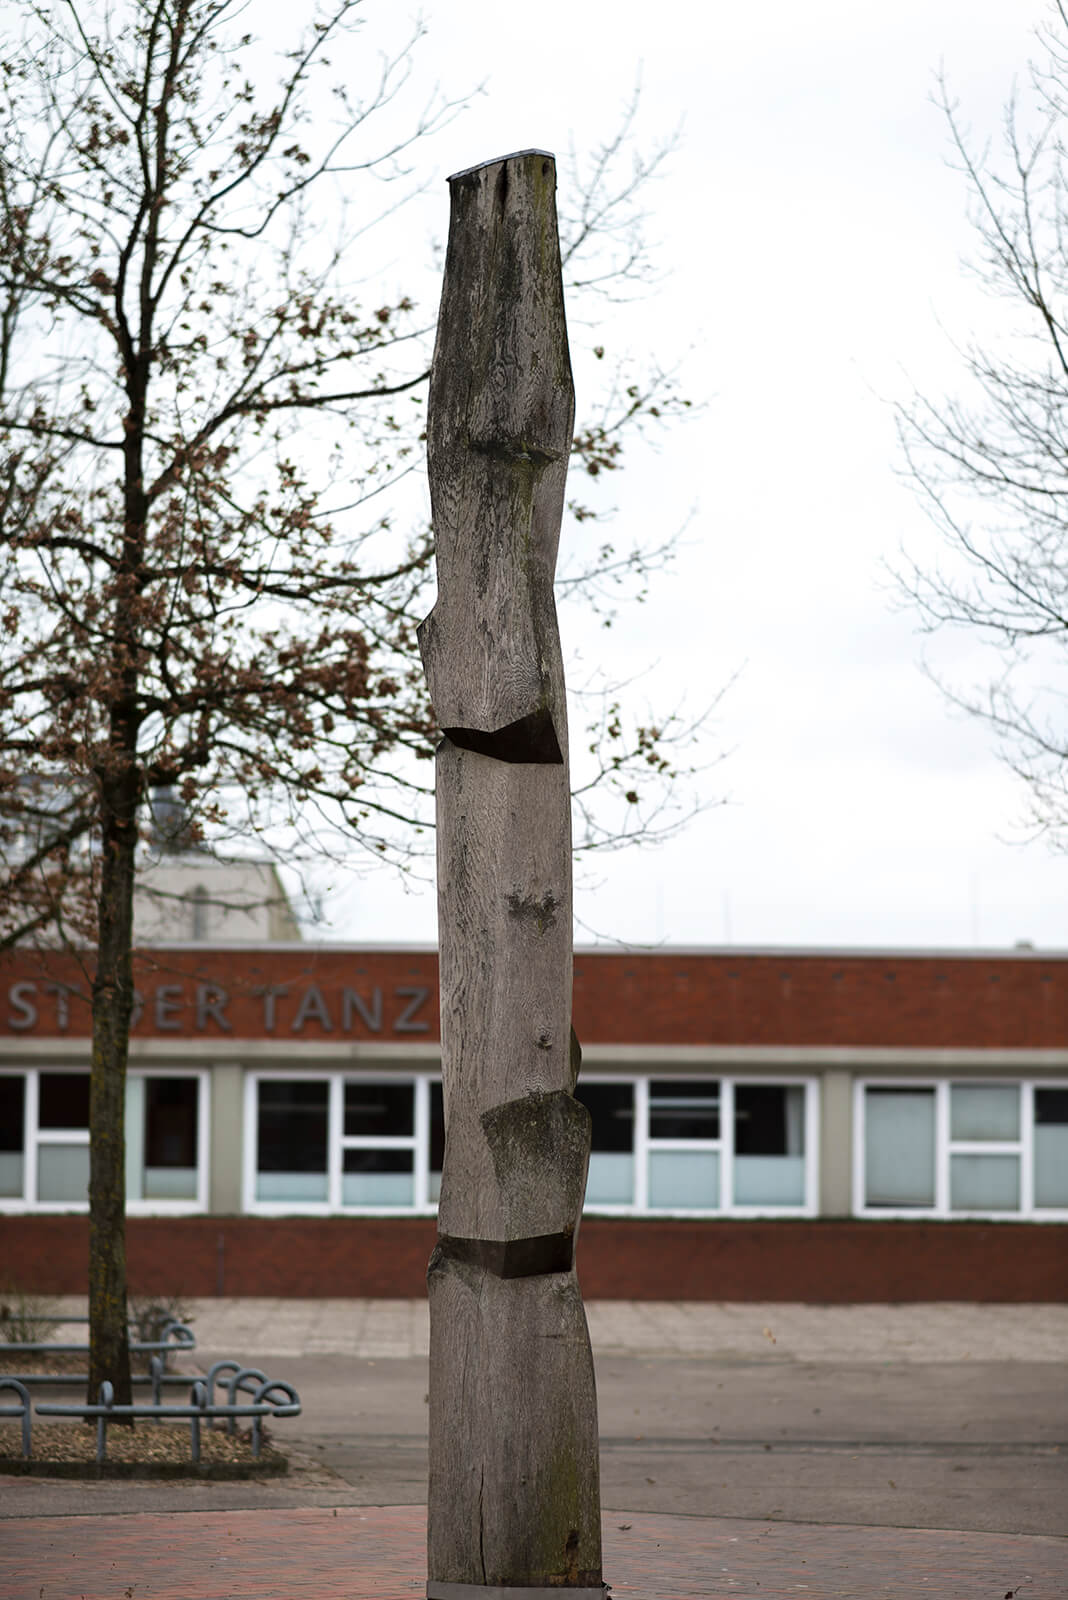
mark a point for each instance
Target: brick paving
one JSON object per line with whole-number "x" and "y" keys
{"x": 376, "y": 1553}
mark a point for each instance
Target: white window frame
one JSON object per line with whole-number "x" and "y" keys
{"x": 947, "y": 1147}
{"x": 419, "y": 1143}
{"x": 337, "y": 1141}
{"x": 644, "y": 1144}
{"x": 811, "y": 1146}
{"x": 182, "y": 1208}
{"x": 640, "y": 1146}
{"x": 34, "y": 1136}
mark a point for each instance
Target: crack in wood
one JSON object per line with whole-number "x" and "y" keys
{"x": 515, "y": 451}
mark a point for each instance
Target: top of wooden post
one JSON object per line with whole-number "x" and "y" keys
{"x": 499, "y": 432}
{"x": 513, "y": 155}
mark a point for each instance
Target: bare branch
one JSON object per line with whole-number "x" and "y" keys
{"x": 990, "y": 468}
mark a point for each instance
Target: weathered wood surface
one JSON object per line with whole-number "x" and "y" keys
{"x": 514, "y": 1494}
{"x": 501, "y": 417}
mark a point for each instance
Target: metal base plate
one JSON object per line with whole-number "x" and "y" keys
{"x": 490, "y": 1591}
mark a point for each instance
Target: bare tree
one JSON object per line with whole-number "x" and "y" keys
{"x": 206, "y": 420}
{"x": 992, "y": 465}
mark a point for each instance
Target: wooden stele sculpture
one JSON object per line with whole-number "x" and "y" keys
{"x": 514, "y": 1502}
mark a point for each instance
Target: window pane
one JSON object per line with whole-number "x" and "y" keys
{"x": 984, "y": 1183}
{"x": 684, "y": 1179}
{"x": 135, "y": 1136}
{"x": 378, "y": 1178}
{"x": 1051, "y": 1107}
{"x": 64, "y": 1100}
{"x": 769, "y": 1119}
{"x": 769, "y": 1143}
{"x": 291, "y": 1187}
{"x": 984, "y": 1111}
{"x": 171, "y": 1122}
{"x": 611, "y": 1108}
{"x": 899, "y": 1147}
{"x": 1051, "y": 1166}
{"x": 12, "y": 1110}
{"x": 769, "y": 1180}
{"x": 170, "y": 1183}
{"x": 12, "y": 1174}
{"x": 380, "y": 1108}
{"x": 437, "y": 1140}
{"x": 292, "y": 1125}
{"x": 63, "y": 1173}
{"x": 687, "y": 1109}
{"x": 1051, "y": 1147}
{"x": 611, "y": 1179}
{"x": 12, "y": 1124}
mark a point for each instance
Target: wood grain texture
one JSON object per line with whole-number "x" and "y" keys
{"x": 514, "y": 1492}
{"x": 499, "y": 433}
{"x": 504, "y": 915}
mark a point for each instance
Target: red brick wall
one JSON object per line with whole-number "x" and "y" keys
{"x": 832, "y": 1261}
{"x": 826, "y": 1261}
{"x": 797, "y": 999}
{"x": 173, "y": 986}
{"x": 933, "y": 1002}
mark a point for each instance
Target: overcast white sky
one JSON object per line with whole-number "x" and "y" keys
{"x": 812, "y": 235}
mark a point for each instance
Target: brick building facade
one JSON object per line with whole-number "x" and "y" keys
{"x": 766, "y": 1124}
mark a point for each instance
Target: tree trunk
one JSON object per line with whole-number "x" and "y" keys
{"x": 514, "y": 1496}
{"x": 109, "y": 1349}
{"x": 120, "y": 799}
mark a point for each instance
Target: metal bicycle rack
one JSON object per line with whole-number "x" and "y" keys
{"x": 269, "y": 1397}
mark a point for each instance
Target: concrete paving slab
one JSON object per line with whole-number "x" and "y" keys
{"x": 980, "y": 1445}
{"x": 946, "y": 1332}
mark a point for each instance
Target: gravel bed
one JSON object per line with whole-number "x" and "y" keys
{"x": 146, "y": 1443}
{"x": 64, "y": 1362}
{"x": 19, "y": 1362}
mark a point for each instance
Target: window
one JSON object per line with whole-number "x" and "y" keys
{"x": 984, "y": 1147}
{"x": 378, "y": 1146}
{"x": 769, "y": 1144}
{"x": 684, "y": 1151}
{"x": 12, "y": 1134}
{"x": 44, "y": 1140}
{"x": 169, "y": 1124}
{"x": 291, "y": 1140}
{"x": 962, "y": 1149}
{"x": 63, "y": 1144}
{"x": 1051, "y": 1147}
{"x": 661, "y": 1144}
{"x": 337, "y": 1142}
{"x": 611, "y": 1175}
{"x": 899, "y": 1147}
{"x": 437, "y": 1140}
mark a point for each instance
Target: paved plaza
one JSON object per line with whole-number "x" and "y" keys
{"x": 760, "y": 1450}
{"x": 869, "y": 1334}
{"x": 290, "y": 1555}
